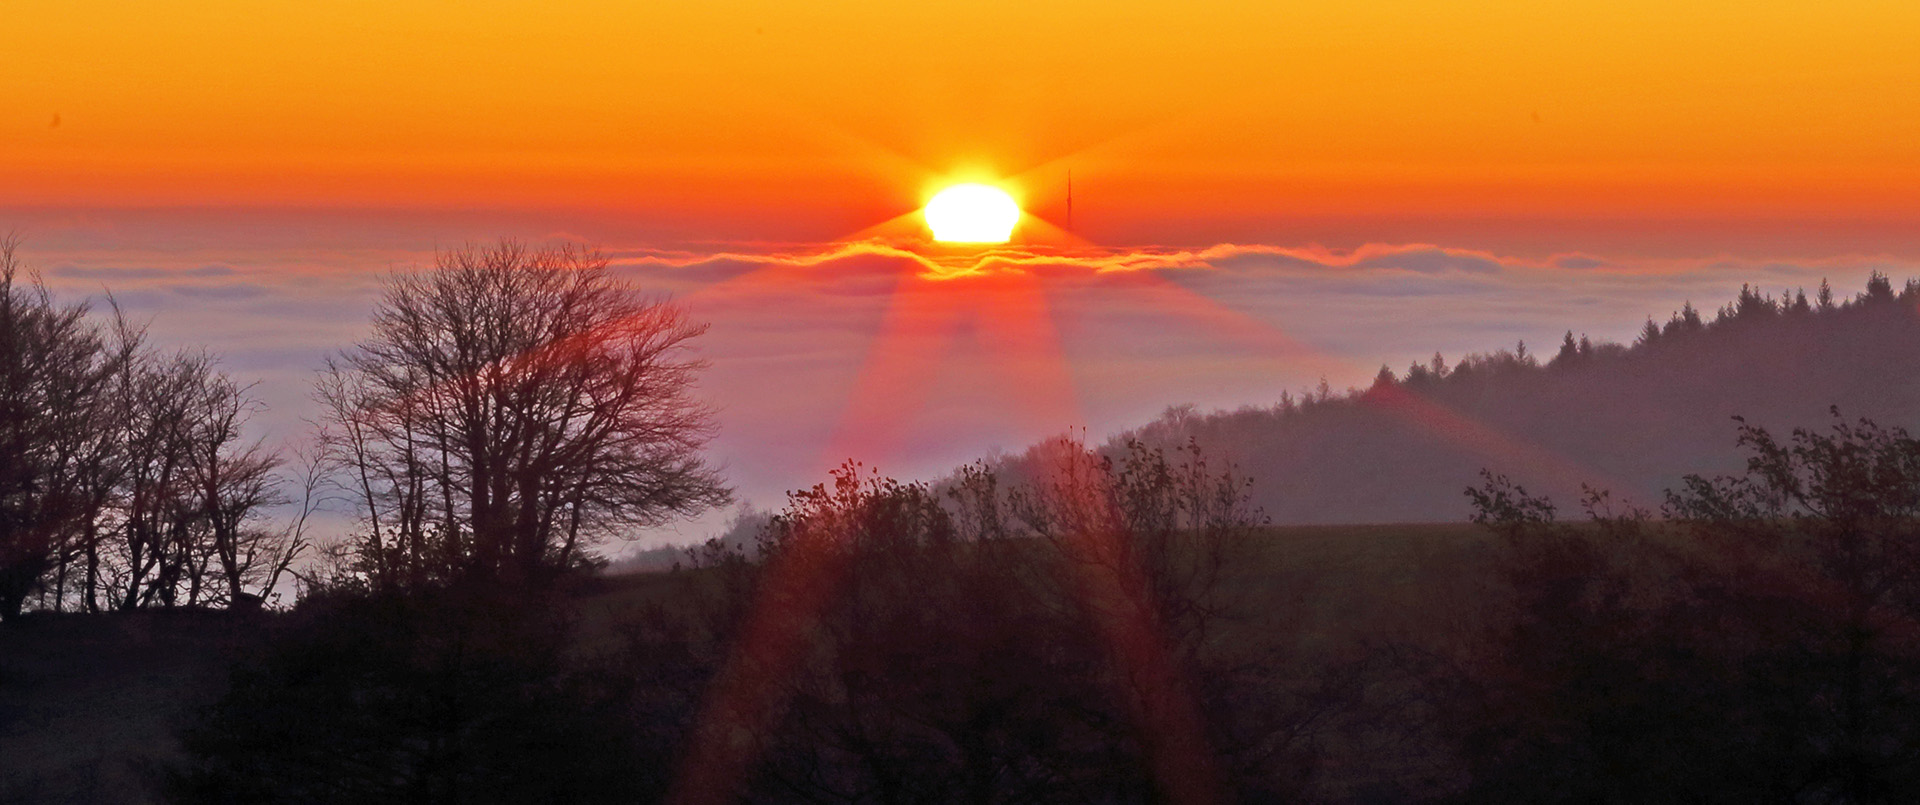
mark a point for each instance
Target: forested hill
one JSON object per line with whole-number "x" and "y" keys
{"x": 1630, "y": 418}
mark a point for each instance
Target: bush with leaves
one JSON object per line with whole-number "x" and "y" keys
{"x": 1754, "y": 643}
{"x": 886, "y": 656}
{"x": 1057, "y": 641}
{"x": 1824, "y": 528}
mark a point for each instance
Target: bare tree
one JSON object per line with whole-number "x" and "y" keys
{"x": 55, "y": 365}
{"x": 126, "y": 479}
{"x": 185, "y": 521}
{"x": 233, "y": 482}
{"x": 511, "y": 407}
{"x": 157, "y": 547}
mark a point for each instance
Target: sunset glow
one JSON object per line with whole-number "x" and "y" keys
{"x": 1186, "y": 123}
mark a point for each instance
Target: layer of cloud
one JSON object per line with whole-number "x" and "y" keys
{"x": 794, "y": 327}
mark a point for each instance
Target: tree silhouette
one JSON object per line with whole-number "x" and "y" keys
{"x": 511, "y": 407}
{"x": 126, "y": 476}
{"x": 55, "y": 366}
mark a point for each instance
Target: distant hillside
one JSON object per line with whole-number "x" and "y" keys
{"x": 1631, "y": 418}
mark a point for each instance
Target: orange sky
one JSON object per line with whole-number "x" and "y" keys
{"x": 816, "y": 119}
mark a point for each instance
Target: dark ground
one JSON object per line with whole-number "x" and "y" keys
{"x": 90, "y": 704}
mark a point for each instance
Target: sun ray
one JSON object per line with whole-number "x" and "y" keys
{"x": 1039, "y": 231}
{"x": 1229, "y": 325}
{"x": 746, "y": 698}
{"x": 1108, "y": 578}
{"x": 1517, "y": 454}
{"x": 903, "y": 228}
{"x": 1017, "y": 328}
{"x": 902, "y": 361}
{"x": 1501, "y": 448}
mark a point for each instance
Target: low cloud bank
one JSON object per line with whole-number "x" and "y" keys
{"x": 794, "y": 326}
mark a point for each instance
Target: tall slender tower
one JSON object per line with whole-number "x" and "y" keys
{"x": 1069, "y": 200}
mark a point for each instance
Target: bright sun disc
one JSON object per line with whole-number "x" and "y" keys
{"x": 972, "y": 213}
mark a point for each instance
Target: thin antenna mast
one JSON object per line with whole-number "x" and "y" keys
{"x": 1069, "y": 199}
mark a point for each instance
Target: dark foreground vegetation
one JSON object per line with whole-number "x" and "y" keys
{"x": 1128, "y": 632}
{"x": 1087, "y": 625}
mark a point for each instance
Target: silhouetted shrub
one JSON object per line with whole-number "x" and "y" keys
{"x": 1057, "y": 642}
{"x": 1756, "y": 644}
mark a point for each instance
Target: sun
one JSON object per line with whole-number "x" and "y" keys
{"x": 972, "y": 213}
